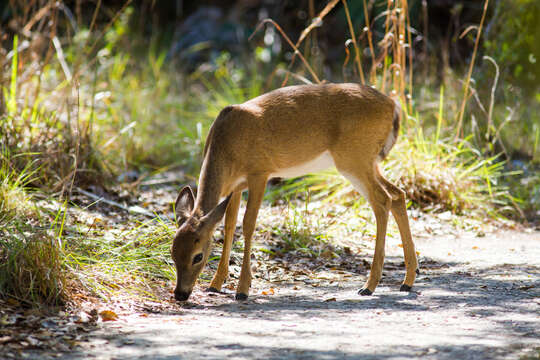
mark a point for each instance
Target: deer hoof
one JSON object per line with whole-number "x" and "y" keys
{"x": 405, "y": 287}
{"x": 241, "y": 297}
{"x": 417, "y": 271}
{"x": 213, "y": 289}
{"x": 365, "y": 292}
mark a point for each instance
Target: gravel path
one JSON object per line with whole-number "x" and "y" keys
{"x": 477, "y": 298}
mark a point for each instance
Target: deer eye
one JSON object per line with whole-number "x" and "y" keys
{"x": 198, "y": 258}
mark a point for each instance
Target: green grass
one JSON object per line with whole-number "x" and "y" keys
{"x": 31, "y": 258}
{"x": 109, "y": 261}
{"x": 299, "y": 231}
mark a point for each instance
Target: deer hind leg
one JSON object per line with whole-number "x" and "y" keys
{"x": 230, "y": 225}
{"x": 399, "y": 210}
{"x": 256, "y": 186}
{"x": 366, "y": 182}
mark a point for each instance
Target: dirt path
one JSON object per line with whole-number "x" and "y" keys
{"x": 477, "y": 298}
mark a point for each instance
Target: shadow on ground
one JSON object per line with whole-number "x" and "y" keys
{"x": 458, "y": 311}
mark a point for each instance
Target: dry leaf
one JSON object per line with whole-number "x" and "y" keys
{"x": 108, "y": 315}
{"x": 268, "y": 292}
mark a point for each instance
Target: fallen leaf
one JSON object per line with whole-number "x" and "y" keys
{"x": 268, "y": 292}
{"x": 330, "y": 300}
{"x": 108, "y": 315}
{"x": 475, "y": 247}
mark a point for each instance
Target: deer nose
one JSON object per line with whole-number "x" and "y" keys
{"x": 181, "y": 295}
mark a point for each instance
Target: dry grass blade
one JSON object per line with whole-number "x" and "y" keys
{"x": 316, "y": 22}
{"x": 466, "y": 31}
{"x": 469, "y": 73}
{"x": 357, "y": 59}
{"x": 295, "y": 48}
{"x": 373, "y": 72}
{"x": 492, "y": 99}
{"x": 347, "y": 57}
{"x": 385, "y": 51}
{"x": 409, "y": 40}
{"x": 38, "y": 16}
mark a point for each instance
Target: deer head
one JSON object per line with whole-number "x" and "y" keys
{"x": 192, "y": 242}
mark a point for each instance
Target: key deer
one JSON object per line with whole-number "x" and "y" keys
{"x": 289, "y": 132}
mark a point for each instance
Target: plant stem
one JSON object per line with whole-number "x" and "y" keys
{"x": 468, "y": 79}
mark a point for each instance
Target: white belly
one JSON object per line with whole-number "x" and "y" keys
{"x": 321, "y": 162}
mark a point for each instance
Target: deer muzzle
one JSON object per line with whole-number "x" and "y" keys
{"x": 181, "y": 295}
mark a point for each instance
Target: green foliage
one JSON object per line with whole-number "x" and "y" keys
{"x": 30, "y": 255}
{"x": 299, "y": 233}
{"x": 105, "y": 260}
{"x": 513, "y": 42}
{"x": 30, "y": 264}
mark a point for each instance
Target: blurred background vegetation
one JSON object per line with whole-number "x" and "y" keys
{"x": 95, "y": 93}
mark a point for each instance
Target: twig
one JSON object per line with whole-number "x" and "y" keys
{"x": 131, "y": 209}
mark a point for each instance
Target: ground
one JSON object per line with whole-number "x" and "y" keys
{"x": 478, "y": 297}
{"x": 480, "y": 302}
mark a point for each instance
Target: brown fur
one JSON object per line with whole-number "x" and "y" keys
{"x": 284, "y": 131}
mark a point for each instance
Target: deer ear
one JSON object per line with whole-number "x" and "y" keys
{"x": 184, "y": 205}
{"x": 214, "y": 216}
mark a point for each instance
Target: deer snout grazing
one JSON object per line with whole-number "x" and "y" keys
{"x": 181, "y": 295}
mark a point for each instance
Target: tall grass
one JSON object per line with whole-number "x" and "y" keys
{"x": 438, "y": 172}
{"x": 30, "y": 255}
{"x": 108, "y": 262}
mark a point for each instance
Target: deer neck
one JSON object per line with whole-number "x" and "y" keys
{"x": 210, "y": 186}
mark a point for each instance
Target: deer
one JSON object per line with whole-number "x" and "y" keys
{"x": 286, "y": 133}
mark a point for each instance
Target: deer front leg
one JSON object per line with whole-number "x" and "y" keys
{"x": 256, "y": 186}
{"x": 230, "y": 225}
